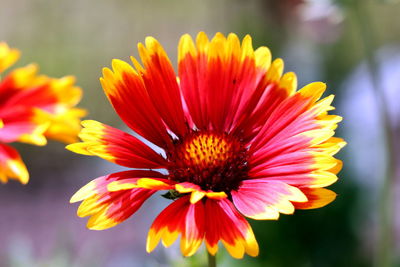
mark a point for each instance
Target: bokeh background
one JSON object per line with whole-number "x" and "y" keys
{"x": 353, "y": 46}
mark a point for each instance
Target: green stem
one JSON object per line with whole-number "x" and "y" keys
{"x": 212, "y": 262}
{"x": 385, "y": 242}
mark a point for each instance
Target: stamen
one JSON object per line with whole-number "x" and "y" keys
{"x": 216, "y": 162}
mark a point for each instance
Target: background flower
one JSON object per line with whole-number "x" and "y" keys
{"x": 33, "y": 108}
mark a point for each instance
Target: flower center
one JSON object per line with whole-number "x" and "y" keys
{"x": 216, "y": 162}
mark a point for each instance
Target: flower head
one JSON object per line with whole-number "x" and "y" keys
{"x": 239, "y": 141}
{"x": 33, "y": 108}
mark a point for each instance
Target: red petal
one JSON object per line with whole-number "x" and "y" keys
{"x": 116, "y": 146}
{"x": 270, "y": 92}
{"x": 11, "y": 165}
{"x": 34, "y": 106}
{"x": 160, "y": 81}
{"x": 292, "y": 115}
{"x": 296, "y": 144}
{"x": 107, "y": 209}
{"x": 127, "y": 92}
{"x": 280, "y": 118}
{"x": 224, "y": 222}
{"x": 262, "y": 199}
{"x": 181, "y": 217}
{"x": 216, "y": 78}
{"x": 24, "y": 124}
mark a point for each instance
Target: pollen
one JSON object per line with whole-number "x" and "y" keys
{"x": 207, "y": 150}
{"x": 216, "y": 162}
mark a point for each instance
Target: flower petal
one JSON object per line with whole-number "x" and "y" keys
{"x": 147, "y": 183}
{"x": 65, "y": 127}
{"x": 218, "y": 76}
{"x": 261, "y": 199}
{"x": 126, "y": 91}
{"x": 270, "y": 92}
{"x": 224, "y": 222}
{"x": 8, "y": 56}
{"x": 197, "y": 193}
{"x": 36, "y": 106}
{"x": 294, "y": 162}
{"x": 160, "y": 81}
{"x": 107, "y": 209}
{"x": 24, "y": 87}
{"x": 181, "y": 217}
{"x": 299, "y": 149}
{"x": 312, "y": 179}
{"x": 99, "y": 185}
{"x": 116, "y": 146}
{"x": 11, "y": 165}
{"x": 317, "y": 198}
{"x": 23, "y": 124}
{"x": 281, "y": 117}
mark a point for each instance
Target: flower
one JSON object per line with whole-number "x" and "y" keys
{"x": 238, "y": 140}
{"x": 33, "y": 108}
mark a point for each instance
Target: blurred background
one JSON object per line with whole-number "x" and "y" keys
{"x": 353, "y": 46}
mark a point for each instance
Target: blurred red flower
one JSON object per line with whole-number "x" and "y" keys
{"x": 33, "y": 108}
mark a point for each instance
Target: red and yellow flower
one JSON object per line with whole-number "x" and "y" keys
{"x": 238, "y": 139}
{"x": 33, "y": 108}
